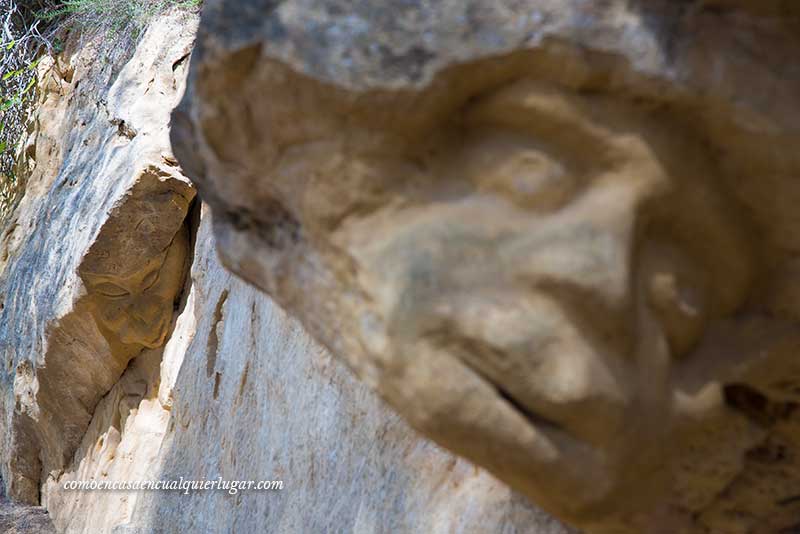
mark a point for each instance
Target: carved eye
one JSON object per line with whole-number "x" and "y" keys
{"x": 513, "y": 166}
{"x": 534, "y": 180}
{"x": 111, "y": 290}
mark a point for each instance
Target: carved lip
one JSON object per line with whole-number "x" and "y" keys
{"x": 537, "y": 420}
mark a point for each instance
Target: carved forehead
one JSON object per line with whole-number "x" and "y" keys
{"x": 138, "y": 231}
{"x": 502, "y": 91}
{"x": 130, "y": 274}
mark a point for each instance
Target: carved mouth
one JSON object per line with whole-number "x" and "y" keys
{"x": 537, "y": 420}
{"x": 464, "y": 347}
{"x": 578, "y": 405}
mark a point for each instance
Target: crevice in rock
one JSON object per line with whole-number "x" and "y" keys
{"x": 124, "y": 129}
{"x": 217, "y": 380}
{"x": 756, "y": 406}
{"x": 192, "y": 224}
{"x": 212, "y": 346}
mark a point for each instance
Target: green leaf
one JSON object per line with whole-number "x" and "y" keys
{"x": 11, "y": 74}
{"x": 11, "y": 45}
{"x": 8, "y": 103}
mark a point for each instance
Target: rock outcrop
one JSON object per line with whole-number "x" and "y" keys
{"x": 243, "y": 393}
{"x": 559, "y": 237}
{"x": 95, "y": 257}
{"x": 130, "y": 354}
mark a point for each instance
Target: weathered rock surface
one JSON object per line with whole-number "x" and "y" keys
{"x": 243, "y": 393}
{"x": 559, "y": 237}
{"x": 233, "y": 388}
{"x": 93, "y": 260}
{"x": 20, "y": 519}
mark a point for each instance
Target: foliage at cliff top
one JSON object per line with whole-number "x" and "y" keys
{"x": 23, "y": 38}
{"x": 31, "y": 28}
{"x": 114, "y": 18}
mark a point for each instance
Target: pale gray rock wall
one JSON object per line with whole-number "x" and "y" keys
{"x": 255, "y": 398}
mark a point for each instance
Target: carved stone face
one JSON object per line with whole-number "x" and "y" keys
{"x": 138, "y": 307}
{"x": 134, "y": 270}
{"x": 523, "y": 281}
{"x": 539, "y": 280}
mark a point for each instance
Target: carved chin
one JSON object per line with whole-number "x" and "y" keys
{"x": 156, "y": 343}
{"x": 160, "y": 339}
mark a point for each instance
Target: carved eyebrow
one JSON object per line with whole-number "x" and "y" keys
{"x": 151, "y": 265}
{"x": 95, "y": 277}
{"x": 545, "y": 112}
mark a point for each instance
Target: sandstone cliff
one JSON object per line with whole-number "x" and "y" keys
{"x": 129, "y": 352}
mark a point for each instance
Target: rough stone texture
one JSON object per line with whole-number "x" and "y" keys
{"x": 20, "y": 519}
{"x": 253, "y": 397}
{"x": 559, "y": 237}
{"x": 238, "y": 390}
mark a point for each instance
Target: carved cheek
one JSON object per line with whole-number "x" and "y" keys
{"x": 155, "y": 309}
{"x": 155, "y": 302}
{"x": 129, "y": 330}
{"x": 148, "y": 310}
{"x": 170, "y": 278}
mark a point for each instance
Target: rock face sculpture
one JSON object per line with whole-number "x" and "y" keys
{"x": 552, "y": 235}
{"x": 135, "y": 270}
{"x": 133, "y": 274}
